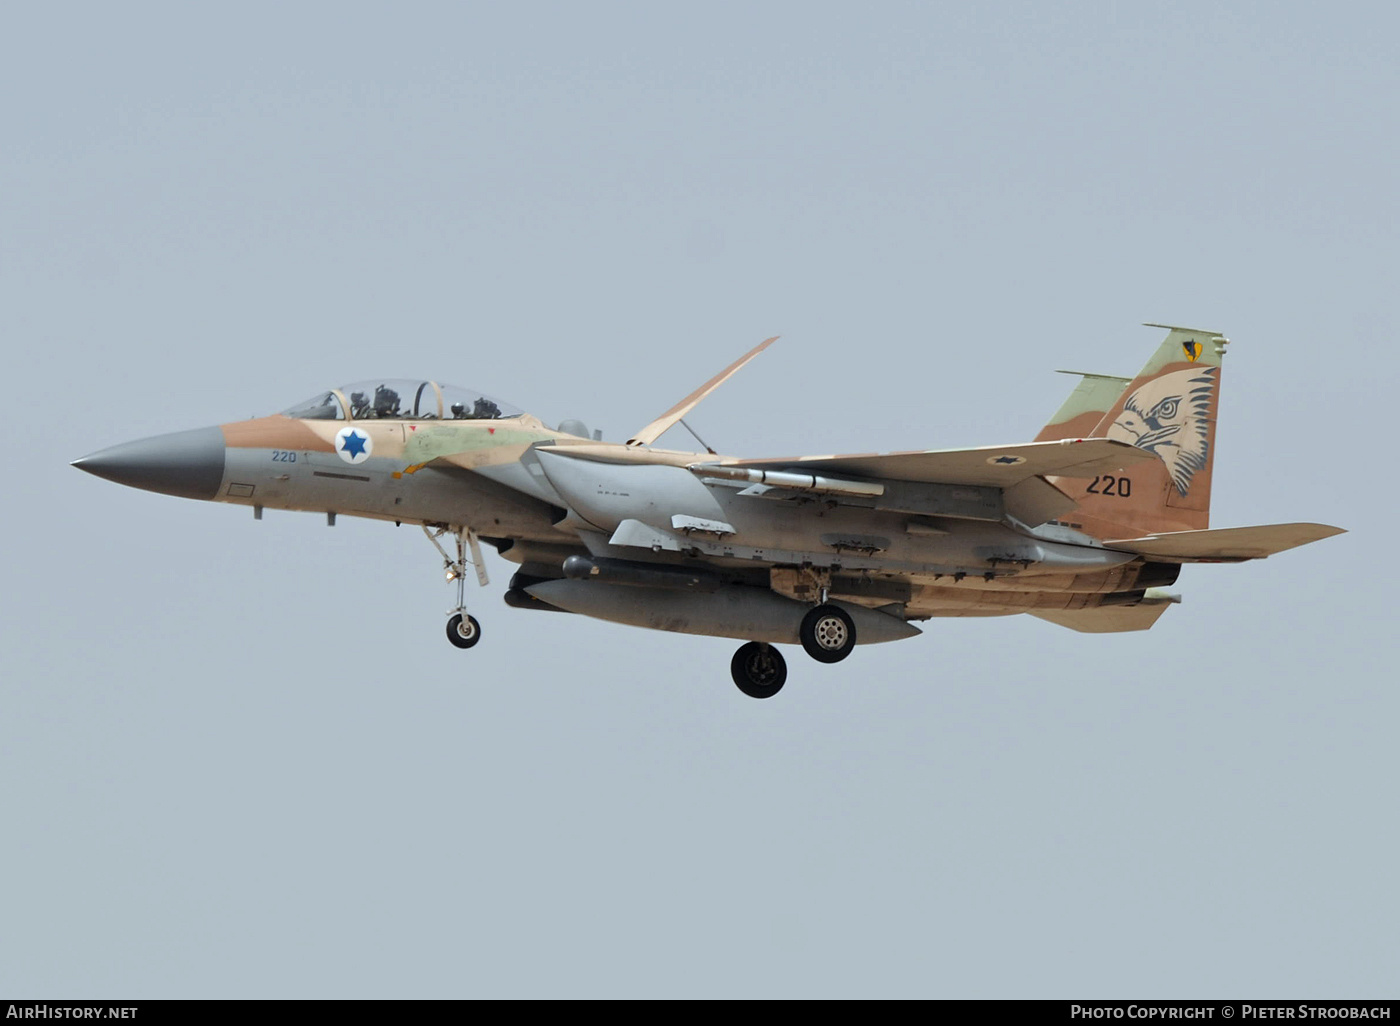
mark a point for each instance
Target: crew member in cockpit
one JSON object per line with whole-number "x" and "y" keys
{"x": 386, "y": 402}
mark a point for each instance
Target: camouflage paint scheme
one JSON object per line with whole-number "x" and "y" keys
{"x": 1082, "y": 527}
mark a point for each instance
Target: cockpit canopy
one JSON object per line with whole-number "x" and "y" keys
{"x": 401, "y": 399}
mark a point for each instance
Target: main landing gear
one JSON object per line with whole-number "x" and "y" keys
{"x": 827, "y": 633}
{"x": 759, "y": 669}
{"x": 462, "y": 628}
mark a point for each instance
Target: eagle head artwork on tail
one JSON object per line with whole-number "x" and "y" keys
{"x": 1170, "y": 416}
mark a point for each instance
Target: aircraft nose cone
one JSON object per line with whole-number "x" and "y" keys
{"x": 185, "y": 463}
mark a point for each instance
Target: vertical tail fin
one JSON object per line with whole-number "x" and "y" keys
{"x": 1169, "y": 409}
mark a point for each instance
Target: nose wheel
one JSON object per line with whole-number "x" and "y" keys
{"x": 462, "y": 628}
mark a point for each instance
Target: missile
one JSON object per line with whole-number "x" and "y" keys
{"x": 789, "y": 479}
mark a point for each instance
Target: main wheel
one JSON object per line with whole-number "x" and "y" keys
{"x": 760, "y": 670}
{"x": 464, "y": 633}
{"x": 828, "y": 634}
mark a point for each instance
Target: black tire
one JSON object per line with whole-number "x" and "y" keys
{"x": 463, "y": 638}
{"x": 828, "y": 634}
{"x": 760, "y": 670}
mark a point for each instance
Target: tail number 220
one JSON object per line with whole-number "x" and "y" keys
{"x": 1110, "y": 485}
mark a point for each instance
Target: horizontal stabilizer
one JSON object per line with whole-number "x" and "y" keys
{"x": 989, "y": 466}
{"x": 1230, "y": 544}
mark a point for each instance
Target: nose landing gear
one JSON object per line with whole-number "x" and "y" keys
{"x": 462, "y": 628}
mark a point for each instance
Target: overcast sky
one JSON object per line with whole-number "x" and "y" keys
{"x": 240, "y": 759}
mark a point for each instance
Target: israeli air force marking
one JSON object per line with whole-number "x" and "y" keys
{"x": 354, "y": 445}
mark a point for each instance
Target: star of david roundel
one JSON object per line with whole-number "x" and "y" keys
{"x": 353, "y": 444}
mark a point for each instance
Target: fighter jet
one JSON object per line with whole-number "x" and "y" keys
{"x": 1085, "y": 526}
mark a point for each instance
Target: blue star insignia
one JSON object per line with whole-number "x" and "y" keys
{"x": 1006, "y": 460}
{"x": 354, "y": 443}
